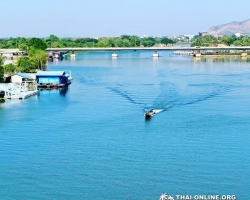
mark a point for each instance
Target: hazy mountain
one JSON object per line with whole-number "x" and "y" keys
{"x": 231, "y": 28}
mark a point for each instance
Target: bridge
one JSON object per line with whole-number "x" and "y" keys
{"x": 196, "y": 50}
{"x": 10, "y": 51}
{"x": 175, "y": 48}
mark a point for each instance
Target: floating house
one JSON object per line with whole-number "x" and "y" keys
{"x": 50, "y": 79}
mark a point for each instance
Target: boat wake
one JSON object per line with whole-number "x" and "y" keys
{"x": 155, "y": 110}
{"x": 125, "y": 95}
{"x": 170, "y": 97}
{"x": 158, "y": 110}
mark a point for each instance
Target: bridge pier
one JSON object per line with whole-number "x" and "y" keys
{"x": 73, "y": 55}
{"x": 114, "y": 55}
{"x": 244, "y": 53}
{"x": 197, "y": 54}
{"x": 155, "y": 54}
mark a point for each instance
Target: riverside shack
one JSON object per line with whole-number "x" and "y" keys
{"x": 51, "y": 79}
{"x": 20, "y": 77}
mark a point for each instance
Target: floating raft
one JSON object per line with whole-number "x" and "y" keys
{"x": 52, "y": 85}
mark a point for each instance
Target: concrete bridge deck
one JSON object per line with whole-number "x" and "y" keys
{"x": 3, "y": 51}
{"x": 175, "y": 48}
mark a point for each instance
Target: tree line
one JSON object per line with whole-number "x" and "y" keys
{"x": 209, "y": 40}
{"x": 54, "y": 42}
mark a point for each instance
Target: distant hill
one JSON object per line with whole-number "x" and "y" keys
{"x": 231, "y": 28}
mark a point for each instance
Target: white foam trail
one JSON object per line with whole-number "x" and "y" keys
{"x": 158, "y": 110}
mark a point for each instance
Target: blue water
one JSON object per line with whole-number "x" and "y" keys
{"x": 91, "y": 141}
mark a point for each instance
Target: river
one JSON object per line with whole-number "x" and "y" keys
{"x": 91, "y": 141}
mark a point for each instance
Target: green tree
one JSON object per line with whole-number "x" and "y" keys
{"x": 119, "y": 42}
{"x": 207, "y": 40}
{"x": 166, "y": 41}
{"x": 135, "y": 41}
{"x": 125, "y": 37}
{"x": 148, "y": 42}
{"x": 24, "y": 65}
{"x": 23, "y": 44}
{"x": 237, "y": 43}
{"x": 111, "y": 42}
{"x": 37, "y": 43}
{"x": 10, "y": 68}
{"x": 228, "y": 40}
{"x": 54, "y": 38}
{"x": 38, "y": 58}
{"x": 1, "y": 69}
{"x": 126, "y": 43}
{"x": 245, "y": 41}
{"x": 102, "y": 42}
{"x": 53, "y": 41}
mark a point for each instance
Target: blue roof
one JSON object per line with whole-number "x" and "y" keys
{"x": 50, "y": 73}
{"x": 24, "y": 75}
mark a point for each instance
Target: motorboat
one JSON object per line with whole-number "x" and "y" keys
{"x": 150, "y": 113}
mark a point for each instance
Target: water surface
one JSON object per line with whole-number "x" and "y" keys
{"x": 90, "y": 141}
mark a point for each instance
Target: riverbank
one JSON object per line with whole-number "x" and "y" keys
{"x": 221, "y": 55}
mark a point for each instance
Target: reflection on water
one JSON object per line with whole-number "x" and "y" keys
{"x": 223, "y": 59}
{"x": 2, "y": 100}
{"x": 155, "y": 60}
{"x": 63, "y": 90}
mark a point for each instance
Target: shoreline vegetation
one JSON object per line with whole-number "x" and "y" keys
{"x": 122, "y": 41}
{"x": 211, "y": 41}
{"x": 55, "y": 42}
{"x": 34, "y": 58}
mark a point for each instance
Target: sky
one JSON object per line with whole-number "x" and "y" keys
{"x": 104, "y": 18}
